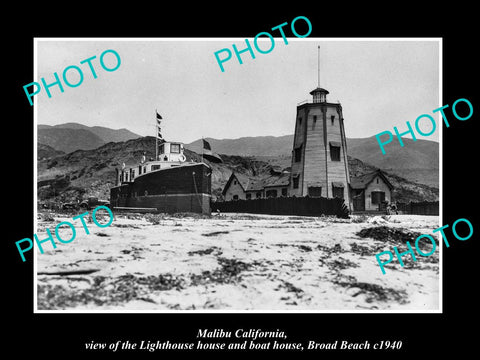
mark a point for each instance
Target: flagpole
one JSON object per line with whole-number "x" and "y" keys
{"x": 156, "y": 136}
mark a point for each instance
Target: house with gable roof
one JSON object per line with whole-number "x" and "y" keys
{"x": 241, "y": 187}
{"x": 370, "y": 191}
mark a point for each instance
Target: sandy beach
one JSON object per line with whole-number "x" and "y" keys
{"x": 229, "y": 262}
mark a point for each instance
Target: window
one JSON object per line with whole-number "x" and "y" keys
{"x": 284, "y": 192}
{"x": 155, "y": 167}
{"x": 298, "y": 154}
{"x": 314, "y": 122}
{"x": 332, "y": 118}
{"x": 377, "y": 180}
{"x": 139, "y": 169}
{"x": 249, "y": 196}
{"x": 235, "y": 197}
{"x": 338, "y": 191}
{"x": 315, "y": 191}
{"x": 259, "y": 194}
{"x": 161, "y": 149}
{"x": 378, "y": 197}
{"x": 234, "y": 182}
{"x": 271, "y": 193}
{"x": 334, "y": 151}
{"x": 299, "y": 121}
{"x": 175, "y": 148}
{"x": 296, "y": 181}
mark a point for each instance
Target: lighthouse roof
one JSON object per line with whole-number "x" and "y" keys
{"x": 319, "y": 89}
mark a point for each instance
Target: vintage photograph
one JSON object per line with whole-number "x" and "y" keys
{"x": 259, "y": 188}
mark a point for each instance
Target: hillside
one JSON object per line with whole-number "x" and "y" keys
{"x": 46, "y": 152}
{"x": 92, "y": 172}
{"x": 248, "y": 146}
{"x": 417, "y": 161}
{"x": 73, "y": 136}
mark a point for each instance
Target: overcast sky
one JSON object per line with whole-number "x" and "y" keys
{"x": 380, "y": 84}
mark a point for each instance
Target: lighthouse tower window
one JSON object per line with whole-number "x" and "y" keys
{"x": 298, "y": 153}
{"x": 334, "y": 151}
{"x": 296, "y": 181}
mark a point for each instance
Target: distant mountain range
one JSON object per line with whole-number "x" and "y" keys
{"x": 73, "y": 136}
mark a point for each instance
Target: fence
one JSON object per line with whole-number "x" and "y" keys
{"x": 419, "y": 208}
{"x": 306, "y": 206}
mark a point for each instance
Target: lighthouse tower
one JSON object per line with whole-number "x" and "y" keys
{"x": 319, "y": 155}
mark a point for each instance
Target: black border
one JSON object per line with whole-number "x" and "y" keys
{"x": 56, "y": 335}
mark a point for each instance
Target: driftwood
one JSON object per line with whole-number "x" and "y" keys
{"x": 68, "y": 272}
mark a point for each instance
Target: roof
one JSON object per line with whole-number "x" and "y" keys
{"x": 245, "y": 182}
{"x": 275, "y": 180}
{"x": 249, "y": 184}
{"x": 362, "y": 181}
{"x": 319, "y": 89}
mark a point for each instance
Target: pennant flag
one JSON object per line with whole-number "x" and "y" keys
{"x": 159, "y": 129}
{"x": 207, "y": 153}
{"x": 206, "y": 145}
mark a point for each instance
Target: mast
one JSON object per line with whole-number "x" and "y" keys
{"x": 156, "y": 135}
{"x": 318, "y": 65}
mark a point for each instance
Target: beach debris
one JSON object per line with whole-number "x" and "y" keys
{"x": 229, "y": 272}
{"x": 68, "y": 272}
{"x": 372, "y": 292}
{"x": 215, "y": 233}
{"x": 289, "y": 287}
{"x": 304, "y": 247}
{"x": 376, "y": 293}
{"x": 107, "y": 291}
{"x": 385, "y": 233}
{"x": 341, "y": 264}
{"x": 205, "y": 251}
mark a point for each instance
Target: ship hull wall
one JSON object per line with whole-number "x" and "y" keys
{"x": 178, "y": 189}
